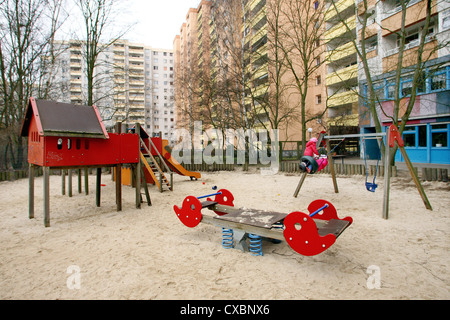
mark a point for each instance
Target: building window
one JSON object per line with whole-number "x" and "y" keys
{"x": 409, "y": 136}
{"x": 438, "y": 81}
{"x": 439, "y": 135}
{"x": 406, "y": 87}
{"x": 316, "y": 5}
{"x": 319, "y": 99}
{"x": 318, "y": 80}
{"x": 446, "y": 19}
{"x": 422, "y": 130}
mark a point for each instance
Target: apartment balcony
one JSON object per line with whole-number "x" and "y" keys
{"x": 258, "y": 91}
{"x": 137, "y": 109}
{"x": 342, "y": 75}
{"x": 119, "y": 65}
{"x": 341, "y": 52}
{"x": 254, "y": 20}
{"x": 415, "y": 12}
{"x": 76, "y": 97}
{"x": 137, "y": 89}
{"x": 136, "y": 115}
{"x": 75, "y": 81}
{"x": 139, "y": 59}
{"x": 258, "y": 35}
{"x": 340, "y": 5}
{"x": 260, "y": 72}
{"x": 261, "y": 90}
{"x": 137, "y": 98}
{"x": 136, "y": 68}
{"x": 252, "y": 4}
{"x": 75, "y": 91}
{"x": 75, "y": 72}
{"x": 75, "y": 63}
{"x": 137, "y": 82}
{"x": 260, "y": 51}
{"x": 136, "y": 51}
{"x": 340, "y": 29}
{"x": 345, "y": 120}
{"x": 347, "y": 97}
{"x": 390, "y": 59}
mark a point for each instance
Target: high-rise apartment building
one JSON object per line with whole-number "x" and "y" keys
{"x": 192, "y": 64}
{"x": 233, "y": 77}
{"x": 256, "y": 66}
{"x": 337, "y": 88}
{"x": 341, "y": 66}
{"x": 133, "y": 83}
{"x": 159, "y": 93}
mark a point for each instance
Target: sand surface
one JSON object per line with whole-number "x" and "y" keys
{"x": 150, "y": 254}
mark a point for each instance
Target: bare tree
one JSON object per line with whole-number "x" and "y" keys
{"x": 300, "y": 41}
{"x": 413, "y": 63}
{"x": 25, "y": 38}
{"x": 99, "y": 20}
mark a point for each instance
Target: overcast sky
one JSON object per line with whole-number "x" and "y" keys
{"x": 156, "y": 22}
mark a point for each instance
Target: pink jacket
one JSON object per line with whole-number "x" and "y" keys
{"x": 311, "y": 149}
{"x": 322, "y": 162}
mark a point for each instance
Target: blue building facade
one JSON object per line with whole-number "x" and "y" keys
{"x": 427, "y": 133}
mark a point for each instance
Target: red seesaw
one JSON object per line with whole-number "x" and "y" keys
{"x": 307, "y": 234}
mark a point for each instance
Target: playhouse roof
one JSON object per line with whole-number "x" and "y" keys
{"x": 63, "y": 119}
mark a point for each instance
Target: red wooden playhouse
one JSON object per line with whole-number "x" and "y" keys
{"x": 67, "y": 136}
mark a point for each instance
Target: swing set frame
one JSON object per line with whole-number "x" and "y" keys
{"x": 393, "y": 139}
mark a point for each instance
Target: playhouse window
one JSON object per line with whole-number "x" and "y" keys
{"x": 86, "y": 144}
{"x": 69, "y": 144}
{"x": 78, "y": 144}
{"x": 60, "y": 144}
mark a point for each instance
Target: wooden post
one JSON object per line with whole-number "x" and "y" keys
{"x": 416, "y": 181}
{"x": 31, "y": 191}
{"x": 79, "y": 181}
{"x": 98, "y": 186}
{"x": 331, "y": 164}
{"x": 387, "y": 181}
{"x": 69, "y": 182}
{"x": 147, "y": 194}
{"x": 86, "y": 181}
{"x": 46, "y": 196}
{"x": 138, "y": 170}
{"x": 444, "y": 175}
{"x": 299, "y": 186}
{"x": 119, "y": 175}
{"x": 63, "y": 182}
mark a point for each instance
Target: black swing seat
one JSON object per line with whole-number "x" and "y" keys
{"x": 309, "y": 161}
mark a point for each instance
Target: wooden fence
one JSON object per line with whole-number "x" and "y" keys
{"x": 426, "y": 174}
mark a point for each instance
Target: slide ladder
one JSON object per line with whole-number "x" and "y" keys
{"x": 156, "y": 173}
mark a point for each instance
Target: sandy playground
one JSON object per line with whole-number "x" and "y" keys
{"x": 150, "y": 254}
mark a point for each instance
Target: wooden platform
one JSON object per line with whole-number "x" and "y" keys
{"x": 332, "y": 226}
{"x": 252, "y": 217}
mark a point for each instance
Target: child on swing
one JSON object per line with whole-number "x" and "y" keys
{"x": 311, "y": 151}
